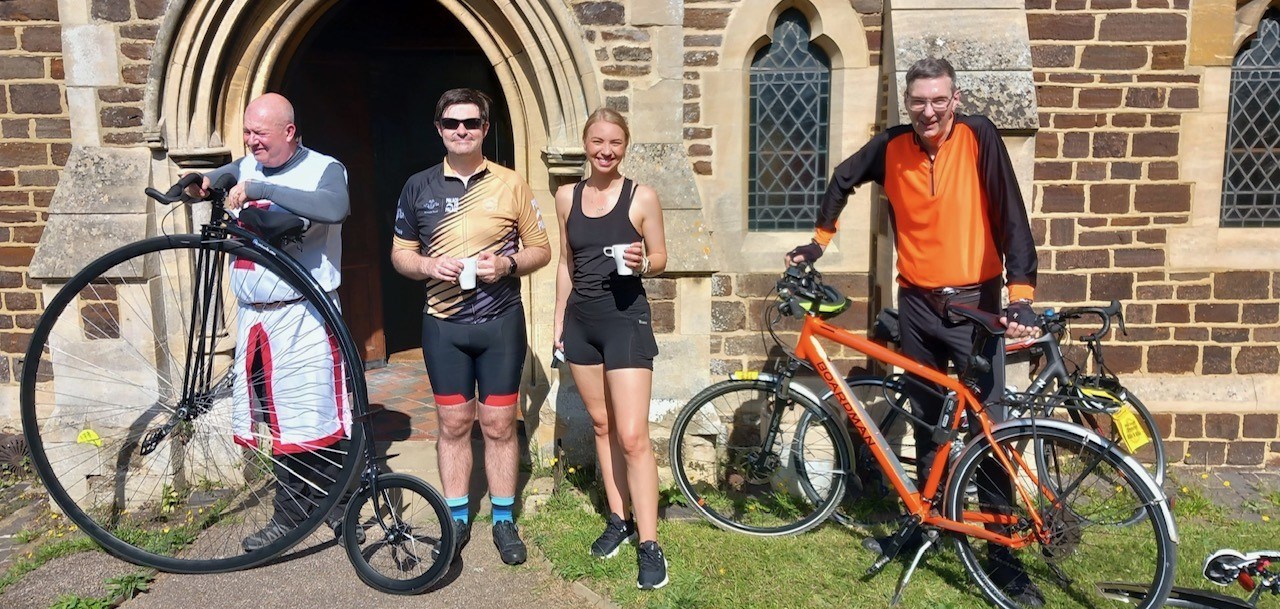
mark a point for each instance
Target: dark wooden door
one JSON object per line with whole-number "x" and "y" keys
{"x": 330, "y": 99}
{"x": 364, "y": 84}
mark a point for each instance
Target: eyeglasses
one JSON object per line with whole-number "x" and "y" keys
{"x": 939, "y": 103}
{"x": 449, "y": 124}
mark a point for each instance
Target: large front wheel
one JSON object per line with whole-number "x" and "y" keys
{"x": 736, "y": 456}
{"x": 159, "y": 437}
{"x": 1069, "y": 508}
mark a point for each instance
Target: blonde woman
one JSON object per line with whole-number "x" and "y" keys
{"x": 611, "y": 236}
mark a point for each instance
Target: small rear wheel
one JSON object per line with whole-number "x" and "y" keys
{"x": 408, "y": 536}
{"x": 737, "y": 456}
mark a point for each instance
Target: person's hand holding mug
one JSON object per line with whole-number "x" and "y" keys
{"x": 628, "y": 257}
{"x": 490, "y": 268}
{"x": 444, "y": 268}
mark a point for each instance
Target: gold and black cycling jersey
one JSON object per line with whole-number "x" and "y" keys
{"x": 440, "y": 215}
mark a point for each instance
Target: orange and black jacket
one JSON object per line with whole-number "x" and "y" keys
{"x": 958, "y": 219}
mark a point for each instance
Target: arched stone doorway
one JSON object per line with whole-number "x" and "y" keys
{"x": 355, "y": 74}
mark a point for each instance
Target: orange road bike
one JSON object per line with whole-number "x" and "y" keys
{"x": 1041, "y": 496}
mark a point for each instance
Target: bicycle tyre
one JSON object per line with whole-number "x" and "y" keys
{"x": 1107, "y": 487}
{"x": 388, "y": 531}
{"x": 721, "y": 465}
{"x": 1157, "y": 460}
{"x": 106, "y": 367}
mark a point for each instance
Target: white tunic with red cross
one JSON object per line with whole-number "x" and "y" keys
{"x": 290, "y": 388}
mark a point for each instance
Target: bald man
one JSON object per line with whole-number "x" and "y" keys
{"x": 288, "y": 392}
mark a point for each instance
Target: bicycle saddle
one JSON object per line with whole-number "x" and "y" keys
{"x": 1224, "y": 566}
{"x": 989, "y": 322}
{"x": 275, "y": 228}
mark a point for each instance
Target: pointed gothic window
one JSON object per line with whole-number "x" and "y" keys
{"x": 1251, "y": 174}
{"x": 790, "y": 125}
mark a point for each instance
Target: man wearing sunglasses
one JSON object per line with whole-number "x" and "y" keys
{"x": 470, "y": 228}
{"x": 962, "y": 235}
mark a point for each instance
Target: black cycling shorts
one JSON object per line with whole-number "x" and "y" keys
{"x": 609, "y": 331}
{"x": 462, "y": 358}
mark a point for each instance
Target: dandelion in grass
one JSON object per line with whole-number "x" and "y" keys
{"x": 1226, "y": 483}
{"x": 164, "y": 530}
{"x": 1184, "y": 489}
{"x": 71, "y": 528}
{"x": 1204, "y": 476}
{"x": 1266, "y": 518}
{"x": 571, "y": 470}
{"x": 722, "y": 571}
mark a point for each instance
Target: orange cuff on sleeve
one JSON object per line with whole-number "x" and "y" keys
{"x": 823, "y": 236}
{"x": 1019, "y": 291}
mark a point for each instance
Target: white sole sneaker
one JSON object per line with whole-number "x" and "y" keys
{"x": 666, "y": 578}
{"x": 631, "y": 539}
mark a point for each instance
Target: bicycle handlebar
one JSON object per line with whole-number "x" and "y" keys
{"x": 1115, "y": 309}
{"x": 177, "y": 192}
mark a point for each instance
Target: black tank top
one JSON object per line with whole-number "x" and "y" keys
{"x": 595, "y": 275}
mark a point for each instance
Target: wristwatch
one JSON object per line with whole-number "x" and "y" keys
{"x": 514, "y": 267}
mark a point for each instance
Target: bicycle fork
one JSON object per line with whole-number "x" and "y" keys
{"x": 202, "y": 335}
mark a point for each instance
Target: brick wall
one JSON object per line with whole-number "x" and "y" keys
{"x": 36, "y": 134}
{"x": 136, "y": 24}
{"x": 1113, "y": 85}
{"x": 36, "y": 128}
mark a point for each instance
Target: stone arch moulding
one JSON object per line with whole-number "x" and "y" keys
{"x": 837, "y": 29}
{"x": 1216, "y": 37}
{"x": 213, "y": 56}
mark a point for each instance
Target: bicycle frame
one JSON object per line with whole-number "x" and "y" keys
{"x": 919, "y": 502}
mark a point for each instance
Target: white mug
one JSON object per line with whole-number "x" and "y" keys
{"x": 618, "y": 253}
{"x": 467, "y": 278}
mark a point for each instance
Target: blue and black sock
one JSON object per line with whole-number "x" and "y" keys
{"x": 502, "y": 508}
{"x": 459, "y": 508}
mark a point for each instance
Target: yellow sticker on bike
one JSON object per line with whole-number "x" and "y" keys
{"x": 1132, "y": 435}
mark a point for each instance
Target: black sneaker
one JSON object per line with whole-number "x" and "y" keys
{"x": 336, "y": 526}
{"x": 653, "y": 566}
{"x": 616, "y": 532}
{"x": 1008, "y": 574}
{"x": 265, "y": 537}
{"x": 461, "y": 535}
{"x": 506, "y": 536}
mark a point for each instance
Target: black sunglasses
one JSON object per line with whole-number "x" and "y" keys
{"x": 449, "y": 124}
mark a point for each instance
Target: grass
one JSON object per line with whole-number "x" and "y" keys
{"x": 62, "y": 538}
{"x": 823, "y": 568}
{"x": 119, "y": 590}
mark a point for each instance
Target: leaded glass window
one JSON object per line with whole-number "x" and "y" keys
{"x": 1251, "y": 175}
{"x": 790, "y": 123}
